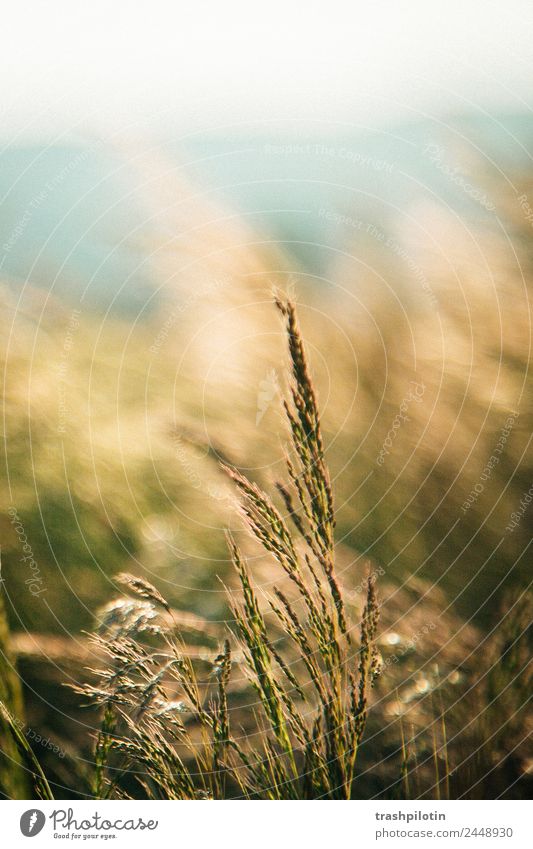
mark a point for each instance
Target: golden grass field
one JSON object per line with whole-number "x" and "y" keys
{"x": 115, "y": 431}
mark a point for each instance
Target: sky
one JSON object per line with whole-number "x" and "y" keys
{"x": 137, "y": 68}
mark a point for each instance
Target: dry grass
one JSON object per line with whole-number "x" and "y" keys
{"x": 281, "y": 712}
{"x": 471, "y": 355}
{"x": 312, "y": 696}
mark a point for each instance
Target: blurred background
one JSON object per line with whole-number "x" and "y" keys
{"x": 160, "y": 172}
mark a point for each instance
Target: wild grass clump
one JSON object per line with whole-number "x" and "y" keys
{"x": 170, "y": 732}
{"x": 281, "y": 710}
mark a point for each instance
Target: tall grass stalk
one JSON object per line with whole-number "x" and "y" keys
{"x": 312, "y": 688}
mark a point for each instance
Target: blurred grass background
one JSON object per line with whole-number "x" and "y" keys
{"x": 115, "y": 419}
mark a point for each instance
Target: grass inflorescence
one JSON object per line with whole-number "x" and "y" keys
{"x": 280, "y": 710}
{"x": 168, "y": 731}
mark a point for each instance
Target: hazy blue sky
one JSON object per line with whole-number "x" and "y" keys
{"x": 145, "y": 66}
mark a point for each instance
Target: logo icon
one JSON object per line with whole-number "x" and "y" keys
{"x": 32, "y": 822}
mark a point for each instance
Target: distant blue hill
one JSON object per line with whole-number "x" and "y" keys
{"x": 70, "y": 222}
